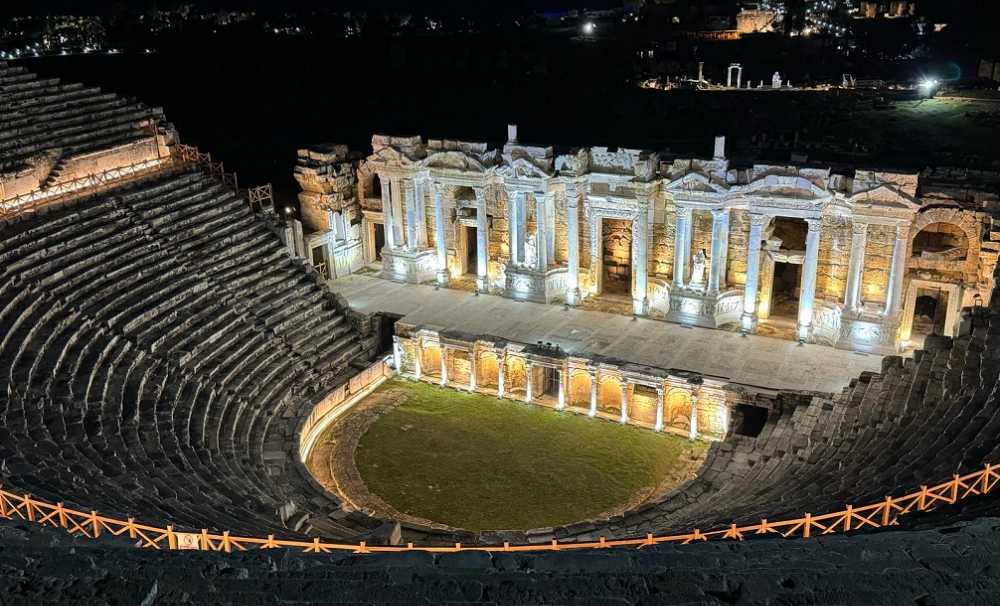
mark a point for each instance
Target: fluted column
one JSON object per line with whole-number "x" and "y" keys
{"x": 682, "y": 245}
{"x": 387, "y": 221}
{"x": 894, "y": 290}
{"x": 529, "y": 389}
{"x": 624, "y": 415}
{"x": 444, "y": 365}
{"x": 440, "y": 240}
{"x": 541, "y": 232}
{"x": 593, "y": 395}
{"x": 659, "y": 409}
{"x": 573, "y": 246}
{"x": 472, "y": 369}
{"x": 807, "y": 290}
{"x": 513, "y": 233}
{"x": 748, "y": 319}
{"x": 856, "y": 267}
{"x": 420, "y": 191}
{"x": 693, "y": 422}
{"x": 640, "y": 231}
{"x": 410, "y": 210}
{"x": 720, "y": 250}
{"x": 501, "y": 374}
{"x": 482, "y": 228}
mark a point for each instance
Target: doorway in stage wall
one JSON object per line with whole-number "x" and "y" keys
{"x": 930, "y": 312}
{"x": 785, "y": 291}
{"x": 471, "y": 250}
{"x": 379, "y": 240}
{"x": 616, "y": 249}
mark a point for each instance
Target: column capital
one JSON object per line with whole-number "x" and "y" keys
{"x": 859, "y": 228}
{"x": 684, "y": 212}
{"x": 480, "y": 192}
{"x": 757, "y": 219}
{"x": 814, "y": 223}
{"x": 902, "y": 232}
{"x": 720, "y": 213}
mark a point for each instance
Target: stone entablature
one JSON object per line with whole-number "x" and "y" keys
{"x": 529, "y": 222}
{"x": 688, "y": 404}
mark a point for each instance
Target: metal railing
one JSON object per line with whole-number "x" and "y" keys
{"x": 875, "y": 515}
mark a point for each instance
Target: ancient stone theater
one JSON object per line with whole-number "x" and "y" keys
{"x": 174, "y": 352}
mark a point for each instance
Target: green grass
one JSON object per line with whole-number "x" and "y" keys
{"x": 479, "y": 463}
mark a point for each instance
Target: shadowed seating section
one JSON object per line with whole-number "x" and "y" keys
{"x": 44, "y": 114}
{"x": 158, "y": 348}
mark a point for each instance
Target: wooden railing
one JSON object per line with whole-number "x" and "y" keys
{"x": 875, "y": 515}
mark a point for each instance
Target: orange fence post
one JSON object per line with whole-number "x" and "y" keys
{"x": 131, "y": 528}
{"x": 848, "y": 513}
{"x": 806, "y": 526}
{"x": 922, "y": 499}
{"x": 171, "y": 537}
{"x": 205, "y": 545}
{"x": 954, "y": 488}
{"x": 95, "y": 524}
{"x": 27, "y": 506}
{"x": 225, "y": 541}
{"x": 62, "y": 514}
{"x": 887, "y": 511}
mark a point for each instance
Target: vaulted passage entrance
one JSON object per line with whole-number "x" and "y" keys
{"x": 930, "y": 311}
{"x": 616, "y": 239}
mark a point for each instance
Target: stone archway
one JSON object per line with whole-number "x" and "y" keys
{"x": 677, "y": 409}
{"x": 962, "y": 221}
{"x": 609, "y": 395}
{"x": 487, "y": 370}
{"x": 579, "y": 389}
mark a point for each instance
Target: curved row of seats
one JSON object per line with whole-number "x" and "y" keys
{"x": 158, "y": 347}
{"x": 45, "y": 114}
{"x": 917, "y": 422}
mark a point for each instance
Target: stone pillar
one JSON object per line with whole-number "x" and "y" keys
{"x": 748, "y": 320}
{"x": 417, "y": 366}
{"x": 482, "y": 227}
{"x": 541, "y": 232}
{"x": 720, "y": 250}
{"x": 522, "y": 224}
{"x": 390, "y": 236}
{"x": 624, "y": 390}
{"x": 529, "y": 388}
{"x": 444, "y": 365}
{"x": 573, "y": 245}
{"x": 421, "y": 212}
{"x": 472, "y": 369}
{"x": 397, "y": 214}
{"x": 693, "y": 423}
{"x": 859, "y": 238}
{"x": 397, "y": 354}
{"x": 501, "y": 374}
{"x": 410, "y": 203}
{"x": 807, "y": 290}
{"x": 894, "y": 290}
{"x": 682, "y": 245}
{"x": 516, "y": 243}
{"x": 440, "y": 240}
{"x": 593, "y": 395}
{"x": 561, "y": 401}
{"x": 640, "y": 245}
{"x": 659, "y": 409}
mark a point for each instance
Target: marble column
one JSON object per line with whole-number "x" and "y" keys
{"x": 573, "y": 246}
{"x": 397, "y": 354}
{"x": 807, "y": 289}
{"x": 720, "y": 250}
{"x": 501, "y": 375}
{"x": 418, "y": 370}
{"x": 748, "y": 319}
{"x": 410, "y": 209}
{"x": 444, "y": 365}
{"x": 541, "y": 232}
{"x": 513, "y": 234}
{"x": 682, "y": 245}
{"x": 529, "y": 383}
{"x": 856, "y": 266}
{"x": 420, "y": 193}
{"x": 624, "y": 415}
{"x": 894, "y": 290}
{"x": 482, "y": 228}
{"x": 593, "y": 395}
{"x": 399, "y": 235}
{"x": 440, "y": 240}
{"x": 561, "y": 400}
{"x": 640, "y": 266}
{"x": 387, "y": 221}
{"x": 472, "y": 369}
{"x": 659, "y": 409}
{"x": 693, "y": 422}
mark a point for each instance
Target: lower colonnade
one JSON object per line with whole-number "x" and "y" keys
{"x": 684, "y": 403}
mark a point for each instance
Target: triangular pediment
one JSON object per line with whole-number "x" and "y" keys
{"x": 785, "y": 186}
{"x": 694, "y": 182}
{"x": 884, "y": 195}
{"x": 520, "y": 168}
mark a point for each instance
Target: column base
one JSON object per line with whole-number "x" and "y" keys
{"x": 640, "y": 307}
{"x": 803, "y": 332}
{"x": 443, "y": 277}
{"x": 482, "y": 284}
{"x": 528, "y": 284}
{"x": 748, "y": 322}
{"x": 411, "y": 266}
{"x": 573, "y": 296}
{"x": 869, "y": 331}
{"x": 710, "y": 310}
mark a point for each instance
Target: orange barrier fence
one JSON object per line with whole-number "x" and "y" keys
{"x": 875, "y": 515}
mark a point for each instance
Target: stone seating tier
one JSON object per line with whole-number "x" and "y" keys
{"x": 151, "y": 376}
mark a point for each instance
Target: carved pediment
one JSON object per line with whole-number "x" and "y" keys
{"x": 390, "y": 156}
{"x": 458, "y": 160}
{"x": 695, "y": 183}
{"x": 521, "y": 168}
{"x": 784, "y": 186}
{"x": 884, "y": 195}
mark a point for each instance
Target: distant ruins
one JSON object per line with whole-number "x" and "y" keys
{"x": 864, "y": 260}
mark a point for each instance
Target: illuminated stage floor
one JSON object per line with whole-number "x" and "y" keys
{"x": 753, "y": 360}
